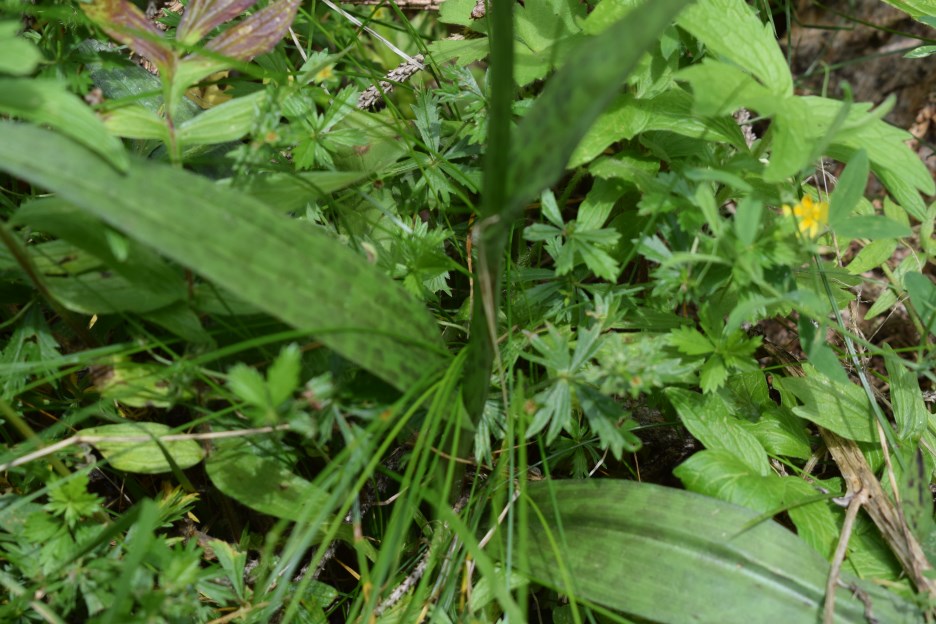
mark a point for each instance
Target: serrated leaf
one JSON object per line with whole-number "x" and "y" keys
{"x": 707, "y": 419}
{"x": 283, "y": 374}
{"x": 872, "y": 255}
{"x": 690, "y": 341}
{"x": 731, "y": 30}
{"x": 249, "y": 386}
{"x": 839, "y": 407}
{"x": 292, "y": 271}
{"x": 143, "y": 457}
{"x": 910, "y": 412}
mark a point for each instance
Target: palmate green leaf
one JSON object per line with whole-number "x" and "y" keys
{"x": 292, "y": 271}
{"x": 671, "y": 556}
{"x": 145, "y": 457}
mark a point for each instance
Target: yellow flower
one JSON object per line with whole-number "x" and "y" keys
{"x": 811, "y": 215}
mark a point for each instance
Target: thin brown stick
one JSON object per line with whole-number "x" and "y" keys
{"x": 857, "y": 500}
{"x": 860, "y": 478}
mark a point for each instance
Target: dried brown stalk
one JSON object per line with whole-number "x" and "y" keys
{"x": 860, "y": 479}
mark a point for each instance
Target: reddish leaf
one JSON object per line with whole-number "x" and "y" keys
{"x": 202, "y": 15}
{"x": 257, "y": 34}
{"x": 125, "y": 23}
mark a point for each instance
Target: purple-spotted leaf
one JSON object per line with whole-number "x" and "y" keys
{"x": 201, "y": 16}
{"x": 127, "y": 24}
{"x": 257, "y": 34}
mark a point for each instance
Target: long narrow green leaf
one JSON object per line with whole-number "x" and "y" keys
{"x": 286, "y": 268}
{"x": 576, "y": 95}
{"x": 540, "y": 150}
{"x": 671, "y": 556}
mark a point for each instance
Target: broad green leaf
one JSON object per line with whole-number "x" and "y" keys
{"x": 720, "y": 474}
{"x": 261, "y": 481}
{"x": 105, "y": 292}
{"x": 872, "y": 255}
{"x": 139, "y": 266}
{"x": 18, "y": 56}
{"x": 137, "y": 385}
{"x": 915, "y": 8}
{"x": 292, "y": 192}
{"x": 910, "y": 412}
{"x": 670, "y": 556}
{"x": 225, "y": 122}
{"x": 136, "y": 122}
{"x": 923, "y": 296}
{"x": 870, "y": 226}
{"x": 707, "y": 419}
{"x": 842, "y": 408}
{"x": 628, "y": 116}
{"x": 721, "y": 89}
{"x": 885, "y": 302}
{"x": 292, "y": 271}
{"x": 732, "y": 30}
{"x": 143, "y": 456}
{"x": 849, "y": 189}
{"x": 47, "y": 102}
{"x": 130, "y": 82}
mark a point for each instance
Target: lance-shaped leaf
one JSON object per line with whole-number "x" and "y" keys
{"x": 201, "y": 16}
{"x": 258, "y": 34}
{"x": 127, "y": 24}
